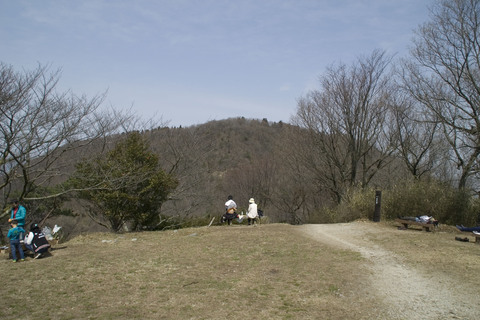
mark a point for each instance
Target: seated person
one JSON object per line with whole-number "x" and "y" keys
{"x": 36, "y": 241}
{"x": 230, "y": 210}
{"x": 467, "y": 229}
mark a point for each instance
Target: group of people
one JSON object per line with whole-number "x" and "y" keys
{"x": 231, "y": 211}
{"x": 35, "y": 241}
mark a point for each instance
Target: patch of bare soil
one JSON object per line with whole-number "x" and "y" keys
{"x": 406, "y": 287}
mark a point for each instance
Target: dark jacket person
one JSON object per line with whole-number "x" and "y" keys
{"x": 36, "y": 241}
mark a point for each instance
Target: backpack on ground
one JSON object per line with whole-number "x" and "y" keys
{"x": 260, "y": 212}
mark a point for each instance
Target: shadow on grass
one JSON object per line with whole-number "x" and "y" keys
{"x": 58, "y": 248}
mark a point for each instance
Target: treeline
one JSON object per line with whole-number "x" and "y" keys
{"x": 268, "y": 161}
{"x": 408, "y": 126}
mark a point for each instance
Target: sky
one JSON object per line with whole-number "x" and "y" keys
{"x": 188, "y": 62}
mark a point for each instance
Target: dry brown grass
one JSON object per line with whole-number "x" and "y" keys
{"x": 265, "y": 272}
{"x": 434, "y": 252}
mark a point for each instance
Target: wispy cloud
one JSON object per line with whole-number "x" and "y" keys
{"x": 226, "y": 56}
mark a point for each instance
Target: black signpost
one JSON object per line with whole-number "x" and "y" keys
{"x": 378, "y": 200}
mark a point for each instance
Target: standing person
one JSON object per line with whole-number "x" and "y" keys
{"x": 252, "y": 212}
{"x": 36, "y": 241}
{"x": 230, "y": 210}
{"x": 18, "y": 213}
{"x": 15, "y": 234}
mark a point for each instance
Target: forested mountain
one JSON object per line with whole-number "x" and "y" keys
{"x": 248, "y": 158}
{"x": 239, "y": 157}
{"x": 217, "y": 159}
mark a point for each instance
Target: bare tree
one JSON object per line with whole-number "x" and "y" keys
{"x": 348, "y": 141}
{"x": 418, "y": 138}
{"x": 444, "y": 76}
{"x": 184, "y": 153}
{"x": 40, "y": 129}
{"x": 253, "y": 179}
{"x": 296, "y": 193}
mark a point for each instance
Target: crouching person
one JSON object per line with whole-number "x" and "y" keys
{"x": 36, "y": 241}
{"x": 230, "y": 210}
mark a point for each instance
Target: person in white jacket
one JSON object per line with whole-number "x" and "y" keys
{"x": 252, "y": 212}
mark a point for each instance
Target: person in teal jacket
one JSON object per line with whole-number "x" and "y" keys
{"x": 15, "y": 234}
{"x": 18, "y": 213}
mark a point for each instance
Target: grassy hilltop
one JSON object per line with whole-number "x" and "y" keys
{"x": 272, "y": 271}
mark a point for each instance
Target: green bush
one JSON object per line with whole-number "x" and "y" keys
{"x": 361, "y": 202}
{"x": 125, "y": 185}
{"x": 431, "y": 198}
{"x": 410, "y": 198}
{"x": 356, "y": 204}
{"x": 178, "y": 222}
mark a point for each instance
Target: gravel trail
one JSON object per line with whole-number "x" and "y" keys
{"x": 405, "y": 292}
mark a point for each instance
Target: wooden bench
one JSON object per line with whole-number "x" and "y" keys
{"x": 5, "y": 252}
{"x": 477, "y": 238}
{"x": 427, "y": 226}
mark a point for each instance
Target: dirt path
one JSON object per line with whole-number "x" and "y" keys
{"x": 406, "y": 293}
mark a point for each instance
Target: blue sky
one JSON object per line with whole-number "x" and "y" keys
{"x": 192, "y": 61}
